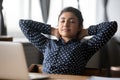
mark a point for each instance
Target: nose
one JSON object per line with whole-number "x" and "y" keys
{"x": 66, "y": 24}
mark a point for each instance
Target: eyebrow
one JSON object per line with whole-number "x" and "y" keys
{"x": 64, "y": 18}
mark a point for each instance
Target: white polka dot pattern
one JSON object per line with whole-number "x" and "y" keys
{"x": 70, "y": 57}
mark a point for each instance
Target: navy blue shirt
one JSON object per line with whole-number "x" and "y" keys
{"x": 70, "y": 57}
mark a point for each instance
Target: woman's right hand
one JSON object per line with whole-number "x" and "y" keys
{"x": 55, "y": 32}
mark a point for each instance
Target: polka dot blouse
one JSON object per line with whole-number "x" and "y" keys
{"x": 70, "y": 57}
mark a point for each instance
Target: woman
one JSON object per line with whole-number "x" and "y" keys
{"x": 67, "y": 54}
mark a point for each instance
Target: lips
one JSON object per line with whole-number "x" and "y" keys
{"x": 66, "y": 30}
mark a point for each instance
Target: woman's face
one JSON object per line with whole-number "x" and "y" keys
{"x": 68, "y": 25}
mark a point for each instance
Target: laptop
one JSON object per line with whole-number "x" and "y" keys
{"x": 13, "y": 63}
{"x": 103, "y": 78}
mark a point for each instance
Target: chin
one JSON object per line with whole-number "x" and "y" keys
{"x": 68, "y": 36}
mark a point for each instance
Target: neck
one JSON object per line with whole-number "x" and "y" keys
{"x": 66, "y": 39}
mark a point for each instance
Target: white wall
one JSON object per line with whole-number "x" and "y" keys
{"x": 114, "y": 13}
{"x": 114, "y": 46}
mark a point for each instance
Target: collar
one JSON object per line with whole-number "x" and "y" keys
{"x": 60, "y": 40}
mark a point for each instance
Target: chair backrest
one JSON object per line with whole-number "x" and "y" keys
{"x": 95, "y": 72}
{"x": 88, "y": 71}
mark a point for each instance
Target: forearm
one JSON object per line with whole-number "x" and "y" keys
{"x": 105, "y": 27}
{"x": 35, "y": 26}
{"x": 102, "y": 33}
{"x": 32, "y": 30}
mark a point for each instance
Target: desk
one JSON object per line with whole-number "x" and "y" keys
{"x": 63, "y": 77}
{"x": 67, "y": 77}
{"x": 6, "y": 38}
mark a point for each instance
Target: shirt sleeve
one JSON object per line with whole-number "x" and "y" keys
{"x": 102, "y": 33}
{"x": 33, "y": 29}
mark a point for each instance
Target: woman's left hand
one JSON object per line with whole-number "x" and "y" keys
{"x": 83, "y": 33}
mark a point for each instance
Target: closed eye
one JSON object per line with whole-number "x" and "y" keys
{"x": 62, "y": 21}
{"x": 72, "y": 20}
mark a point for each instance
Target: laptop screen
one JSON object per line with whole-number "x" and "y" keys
{"x": 12, "y": 61}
